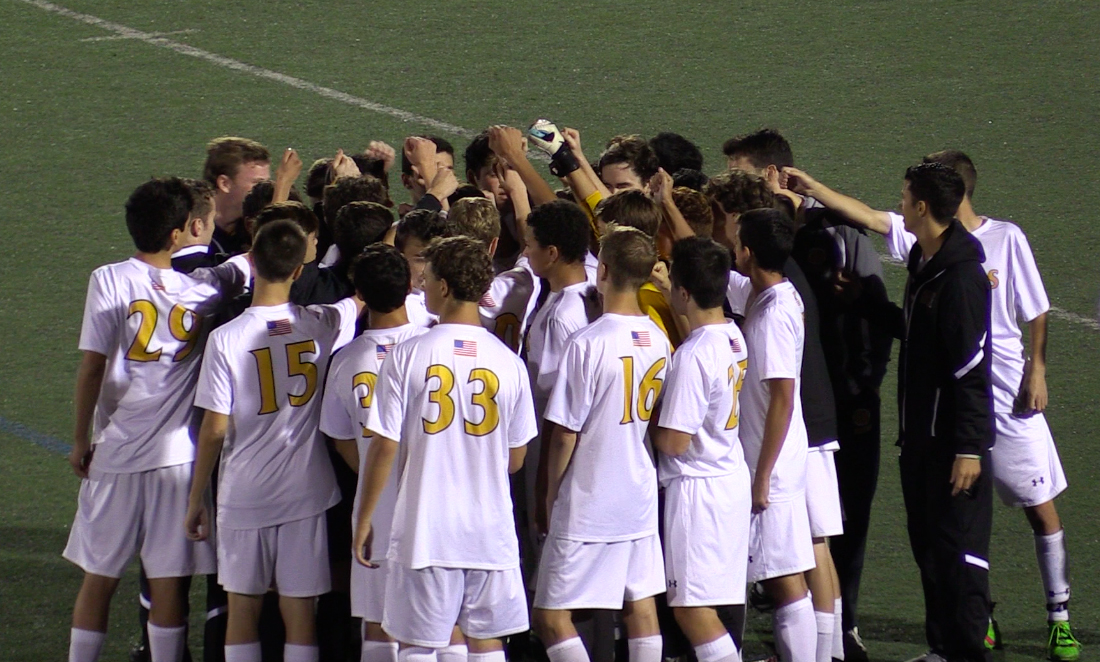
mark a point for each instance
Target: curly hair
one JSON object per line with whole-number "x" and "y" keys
{"x": 736, "y": 192}
{"x": 464, "y": 263}
{"x": 696, "y": 210}
{"x": 633, "y": 151}
{"x": 343, "y": 190}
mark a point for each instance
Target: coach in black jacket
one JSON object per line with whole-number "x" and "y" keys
{"x": 946, "y": 413}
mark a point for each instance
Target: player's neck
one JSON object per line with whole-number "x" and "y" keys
{"x": 762, "y": 279}
{"x": 566, "y": 275}
{"x": 161, "y": 260}
{"x": 621, "y": 302}
{"x": 930, "y": 237}
{"x": 393, "y": 319}
{"x": 267, "y": 293}
{"x": 459, "y": 312}
{"x": 967, "y": 216}
{"x": 700, "y": 317}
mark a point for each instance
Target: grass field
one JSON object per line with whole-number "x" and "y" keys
{"x": 862, "y": 89}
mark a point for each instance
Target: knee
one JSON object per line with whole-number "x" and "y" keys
{"x": 553, "y": 625}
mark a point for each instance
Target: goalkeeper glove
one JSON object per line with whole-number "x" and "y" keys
{"x": 545, "y": 135}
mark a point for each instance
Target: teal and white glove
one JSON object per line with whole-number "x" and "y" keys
{"x": 545, "y": 135}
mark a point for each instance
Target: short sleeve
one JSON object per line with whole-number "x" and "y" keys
{"x": 215, "y": 388}
{"x": 522, "y": 426}
{"x": 336, "y": 419}
{"x": 737, "y": 293}
{"x": 899, "y": 240}
{"x": 1031, "y": 296}
{"x": 100, "y": 329}
{"x": 387, "y": 414}
{"x": 571, "y": 399}
{"x": 777, "y": 355}
{"x": 340, "y": 317}
{"x": 686, "y": 395}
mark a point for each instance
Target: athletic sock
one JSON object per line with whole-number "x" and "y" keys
{"x": 826, "y": 621}
{"x": 492, "y": 656}
{"x": 721, "y": 649}
{"x": 1054, "y": 567}
{"x": 166, "y": 644}
{"x": 646, "y": 649}
{"x": 250, "y": 652}
{"x": 84, "y": 645}
{"x": 796, "y": 631}
{"x": 838, "y": 629}
{"x": 453, "y": 653}
{"x": 415, "y": 654}
{"x": 570, "y": 650}
{"x": 378, "y": 651}
{"x": 301, "y": 653}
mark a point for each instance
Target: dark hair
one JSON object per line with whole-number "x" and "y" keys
{"x": 278, "y": 250}
{"x": 696, "y": 210}
{"x": 369, "y": 165}
{"x": 960, "y": 163}
{"x": 441, "y": 146}
{"x": 420, "y": 224}
{"x": 156, "y": 208}
{"x": 464, "y": 191}
{"x": 562, "y": 224}
{"x": 226, "y": 155}
{"x": 939, "y": 186}
{"x": 675, "y": 152}
{"x": 478, "y": 155}
{"x": 633, "y": 151}
{"x": 261, "y": 196}
{"x": 298, "y": 213}
{"x": 464, "y": 263}
{"x": 320, "y": 176}
{"x": 202, "y": 197}
{"x": 693, "y": 179}
{"x": 353, "y": 189}
{"x": 633, "y": 209}
{"x": 358, "y": 225}
{"x": 762, "y": 148}
{"x": 769, "y": 234}
{"x": 701, "y": 266}
{"x": 381, "y": 277}
{"x": 736, "y": 192}
{"x": 629, "y": 256}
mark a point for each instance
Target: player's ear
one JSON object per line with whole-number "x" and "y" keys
{"x": 297, "y": 273}
{"x": 493, "y": 246}
{"x": 553, "y": 254}
{"x": 224, "y": 183}
{"x": 174, "y": 239}
{"x": 444, "y": 288}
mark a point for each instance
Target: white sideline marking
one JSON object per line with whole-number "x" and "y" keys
{"x": 119, "y": 37}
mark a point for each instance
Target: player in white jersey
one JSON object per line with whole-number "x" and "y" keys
{"x": 1027, "y": 471}
{"x": 708, "y": 496}
{"x": 772, "y": 430}
{"x": 142, "y": 341}
{"x": 259, "y": 386}
{"x": 381, "y": 277}
{"x": 507, "y": 305}
{"x": 457, "y": 406}
{"x": 602, "y": 550}
{"x": 412, "y": 235}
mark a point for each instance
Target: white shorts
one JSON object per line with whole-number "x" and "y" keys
{"x": 1026, "y": 468}
{"x": 780, "y": 543}
{"x": 119, "y": 515}
{"x": 368, "y": 590}
{"x": 823, "y": 494}
{"x": 598, "y": 575}
{"x": 707, "y": 540}
{"x": 291, "y": 557}
{"x": 423, "y": 606}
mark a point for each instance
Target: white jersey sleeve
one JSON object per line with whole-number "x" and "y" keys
{"x": 505, "y": 309}
{"x": 100, "y": 329}
{"x": 336, "y": 417}
{"x": 686, "y": 394}
{"x": 571, "y": 400}
{"x": 215, "y": 389}
{"x": 899, "y": 240}
{"x": 738, "y": 291}
{"x": 387, "y": 416}
{"x": 1031, "y": 296}
{"x": 777, "y": 354}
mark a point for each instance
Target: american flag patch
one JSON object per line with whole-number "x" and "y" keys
{"x": 487, "y": 301}
{"x": 640, "y": 338}
{"x": 735, "y": 346}
{"x": 158, "y": 286}
{"x": 382, "y": 350}
{"x": 279, "y": 328}
{"x": 466, "y": 348}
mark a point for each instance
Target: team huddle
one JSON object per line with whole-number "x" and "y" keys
{"x": 476, "y": 420}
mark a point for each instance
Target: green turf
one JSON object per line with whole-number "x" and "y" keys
{"x": 861, "y": 88}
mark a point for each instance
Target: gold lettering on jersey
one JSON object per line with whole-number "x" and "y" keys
{"x": 183, "y": 331}
{"x": 735, "y": 410}
{"x": 648, "y": 390}
{"x": 266, "y": 373}
{"x": 486, "y": 399}
{"x": 368, "y": 379}
{"x": 507, "y": 329}
{"x": 993, "y": 280}
{"x": 440, "y": 396}
{"x": 139, "y": 348}
{"x": 296, "y": 367}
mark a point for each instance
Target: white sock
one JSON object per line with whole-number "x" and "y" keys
{"x": 796, "y": 631}
{"x": 721, "y": 649}
{"x": 570, "y": 650}
{"x": 453, "y": 653}
{"x": 1054, "y": 567}
{"x": 378, "y": 651}
{"x": 646, "y": 649}
{"x": 492, "y": 656}
{"x": 249, "y": 652}
{"x": 166, "y": 644}
{"x": 414, "y": 654}
{"x": 84, "y": 645}
{"x": 301, "y": 653}
{"x": 838, "y": 629}
{"x": 825, "y": 624}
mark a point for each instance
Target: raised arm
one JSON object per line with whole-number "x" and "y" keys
{"x": 289, "y": 169}
{"x": 852, "y": 209}
{"x": 507, "y": 143}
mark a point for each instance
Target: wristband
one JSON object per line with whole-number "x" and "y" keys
{"x": 564, "y": 162}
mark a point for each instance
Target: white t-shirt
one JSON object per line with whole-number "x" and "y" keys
{"x": 506, "y": 307}
{"x": 457, "y": 402}
{"x": 1017, "y": 293}
{"x": 611, "y": 377}
{"x": 701, "y": 399}
{"x": 150, "y": 324}
{"x": 738, "y": 291}
{"x": 562, "y": 314}
{"x": 349, "y": 395}
{"x": 775, "y": 332}
{"x": 591, "y": 266}
{"x": 417, "y": 309}
{"x": 266, "y": 370}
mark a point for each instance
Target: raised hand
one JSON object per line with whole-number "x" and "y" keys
{"x": 344, "y": 166}
{"x": 383, "y": 152}
{"x": 507, "y": 143}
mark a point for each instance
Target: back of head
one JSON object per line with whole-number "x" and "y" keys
{"x": 373, "y": 166}
{"x": 465, "y": 191}
{"x": 632, "y": 209}
{"x": 769, "y": 234}
{"x": 960, "y": 163}
{"x": 562, "y": 224}
{"x": 702, "y": 267}
{"x": 420, "y": 224}
{"x": 464, "y": 263}
{"x": 226, "y": 155}
{"x": 155, "y": 209}
{"x": 381, "y": 277}
{"x": 938, "y": 186}
{"x": 319, "y": 176}
{"x": 261, "y": 196}
{"x": 693, "y": 179}
{"x": 475, "y": 217}
{"x": 295, "y": 212}
{"x": 363, "y": 188}
{"x": 441, "y": 147}
{"x": 478, "y": 155}
{"x": 634, "y": 152}
{"x": 762, "y": 148}
{"x": 736, "y": 192}
{"x": 202, "y": 197}
{"x": 629, "y": 256}
{"x": 278, "y": 250}
{"x": 675, "y": 152}
{"x": 358, "y": 225}
{"x": 696, "y": 210}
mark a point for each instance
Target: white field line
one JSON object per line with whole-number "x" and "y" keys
{"x": 119, "y": 37}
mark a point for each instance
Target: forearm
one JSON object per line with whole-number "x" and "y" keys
{"x": 540, "y": 191}
{"x": 676, "y": 220}
{"x": 562, "y": 444}
{"x": 776, "y": 424}
{"x": 670, "y": 442}
{"x": 583, "y": 183}
{"x": 521, "y": 206}
{"x": 380, "y": 455}
{"x": 211, "y": 439}
{"x": 89, "y": 381}
{"x": 854, "y": 210}
{"x": 1037, "y": 341}
{"x": 282, "y": 189}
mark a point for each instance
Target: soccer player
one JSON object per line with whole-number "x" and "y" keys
{"x": 708, "y": 496}
{"x": 1027, "y": 471}
{"x": 233, "y": 166}
{"x": 382, "y": 282}
{"x": 192, "y": 251}
{"x": 458, "y": 406}
{"x": 773, "y": 433}
{"x": 259, "y": 386}
{"x": 414, "y": 232}
{"x": 602, "y": 551}
{"x": 142, "y": 336}
{"x": 483, "y": 171}
{"x": 627, "y": 164}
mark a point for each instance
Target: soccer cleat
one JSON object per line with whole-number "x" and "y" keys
{"x": 1061, "y": 645}
{"x": 993, "y": 632}
{"x": 854, "y": 649}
